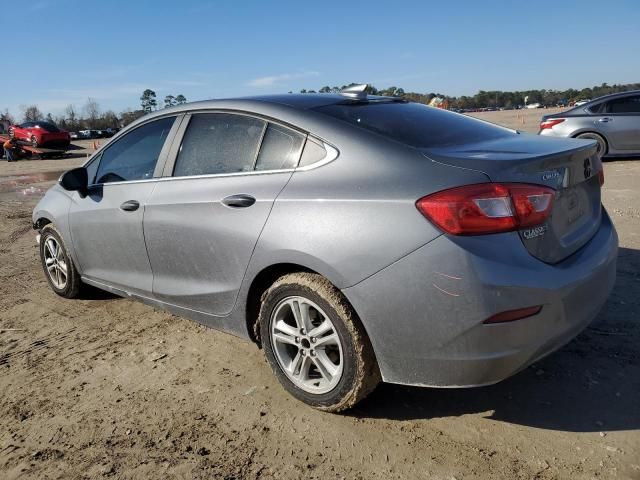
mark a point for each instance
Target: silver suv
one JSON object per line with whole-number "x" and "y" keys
{"x": 613, "y": 121}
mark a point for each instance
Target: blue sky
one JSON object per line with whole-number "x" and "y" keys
{"x": 64, "y": 51}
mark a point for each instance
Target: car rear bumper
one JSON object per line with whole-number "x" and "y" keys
{"x": 424, "y": 313}
{"x": 551, "y": 132}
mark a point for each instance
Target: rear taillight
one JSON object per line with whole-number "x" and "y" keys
{"x": 550, "y": 123}
{"x": 488, "y": 207}
{"x": 601, "y": 175}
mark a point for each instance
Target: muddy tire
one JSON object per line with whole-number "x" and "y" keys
{"x": 315, "y": 343}
{"x": 57, "y": 264}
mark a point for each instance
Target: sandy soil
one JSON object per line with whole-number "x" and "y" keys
{"x": 526, "y": 120}
{"x": 106, "y": 387}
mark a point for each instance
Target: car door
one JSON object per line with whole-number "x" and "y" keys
{"x": 621, "y": 123}
{"x": 202, "y": 222}
{"x": 106, "y": 224}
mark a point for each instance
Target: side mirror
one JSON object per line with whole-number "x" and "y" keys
{"x": 75, "y": 180}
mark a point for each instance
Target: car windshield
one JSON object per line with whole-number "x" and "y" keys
{"x": 414, "y": 124}
{"x": 49, "y": 127}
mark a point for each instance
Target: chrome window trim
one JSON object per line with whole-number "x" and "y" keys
{"x": 212, "y": 175}
{"x": 332, "y": 154}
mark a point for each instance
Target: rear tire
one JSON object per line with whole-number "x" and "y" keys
{"x": 57, "y": 264}
{"x": 602, "y": 143}
{"x": 331, "y": 369}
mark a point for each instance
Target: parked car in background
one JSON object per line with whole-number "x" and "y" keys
{"x": 613, "y": 121}
{"x": 534, "y": 105}
{"x": 89, "y": 134}
{"x": 74, "y": 135}
{"x": 41, "y": 134}
{"x": 353, "y": 237}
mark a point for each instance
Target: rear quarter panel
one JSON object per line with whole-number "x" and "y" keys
{"x": 354, "y": 216}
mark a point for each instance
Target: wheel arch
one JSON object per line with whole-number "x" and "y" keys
{"x": 260, "y": 283}
{"x": 263, "y": 280}
{"x": 41, "y": 221}
{"x": 595, "y": 132}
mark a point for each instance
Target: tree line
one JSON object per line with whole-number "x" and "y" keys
{"x": 90, "y": 116}
{"x": 495, "y": 98}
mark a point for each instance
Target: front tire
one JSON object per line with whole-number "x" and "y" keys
{"x": 315, "y": 343}
{"x": 57, "y": 264}
{"x": 602, "y": 143}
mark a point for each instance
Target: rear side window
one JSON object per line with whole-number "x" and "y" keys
{"x": 415, "y": 124}
{"x": 313, "y": 152}
{"x": 624, "y": 105}
{"x": 219, "y": 143}
{"x": 280, "y": 148}
{"x": 597, "y": 108}
{"x": 134, "y": 156}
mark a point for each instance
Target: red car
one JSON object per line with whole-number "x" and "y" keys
{"x": 41, "y": 134}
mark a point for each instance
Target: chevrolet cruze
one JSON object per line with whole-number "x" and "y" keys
{"x": 354, "y": 238}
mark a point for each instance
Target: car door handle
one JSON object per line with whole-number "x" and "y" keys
{"x": 130, "y": 206}
{"x": 605, "y": 120}
{"x": 241, "y": 200}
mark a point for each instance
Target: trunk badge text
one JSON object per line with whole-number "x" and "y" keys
{"x": 535, "y": 232}
{"x": 561, "y": 176}
{"x": 550, "y": 175}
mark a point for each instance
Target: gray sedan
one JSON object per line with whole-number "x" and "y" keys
{"x": 354, "y": 238}
{"x": 613, "y": 121}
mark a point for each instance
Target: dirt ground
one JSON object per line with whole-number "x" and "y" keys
{"x": 526, "y": 120}
{"x": 106, "y": 387}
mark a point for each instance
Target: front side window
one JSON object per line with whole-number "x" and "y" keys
{"x": 134, "y": 156}
{"x": 92, "y": 169}
{"x": 217, "y": 143}
{"x": 625, "y": 105}
{"x": 280, "y": 148}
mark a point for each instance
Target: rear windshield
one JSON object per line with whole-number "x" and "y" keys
{"x": 49, "y": 127}
{"x": 415, "y": 124}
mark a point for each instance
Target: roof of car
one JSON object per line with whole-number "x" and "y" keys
{"x": 289, "y": 107}
{"x": 303, "y": 101}
{"x": 613, "y": 95}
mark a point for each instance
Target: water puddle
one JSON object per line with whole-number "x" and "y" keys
{"x": 24, "y": 185}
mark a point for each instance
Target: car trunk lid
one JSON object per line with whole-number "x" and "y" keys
{"x": 571, "y": 167}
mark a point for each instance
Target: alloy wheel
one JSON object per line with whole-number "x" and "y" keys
{"x": 56, "y": 263}
{"x": 306, "y": 345}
